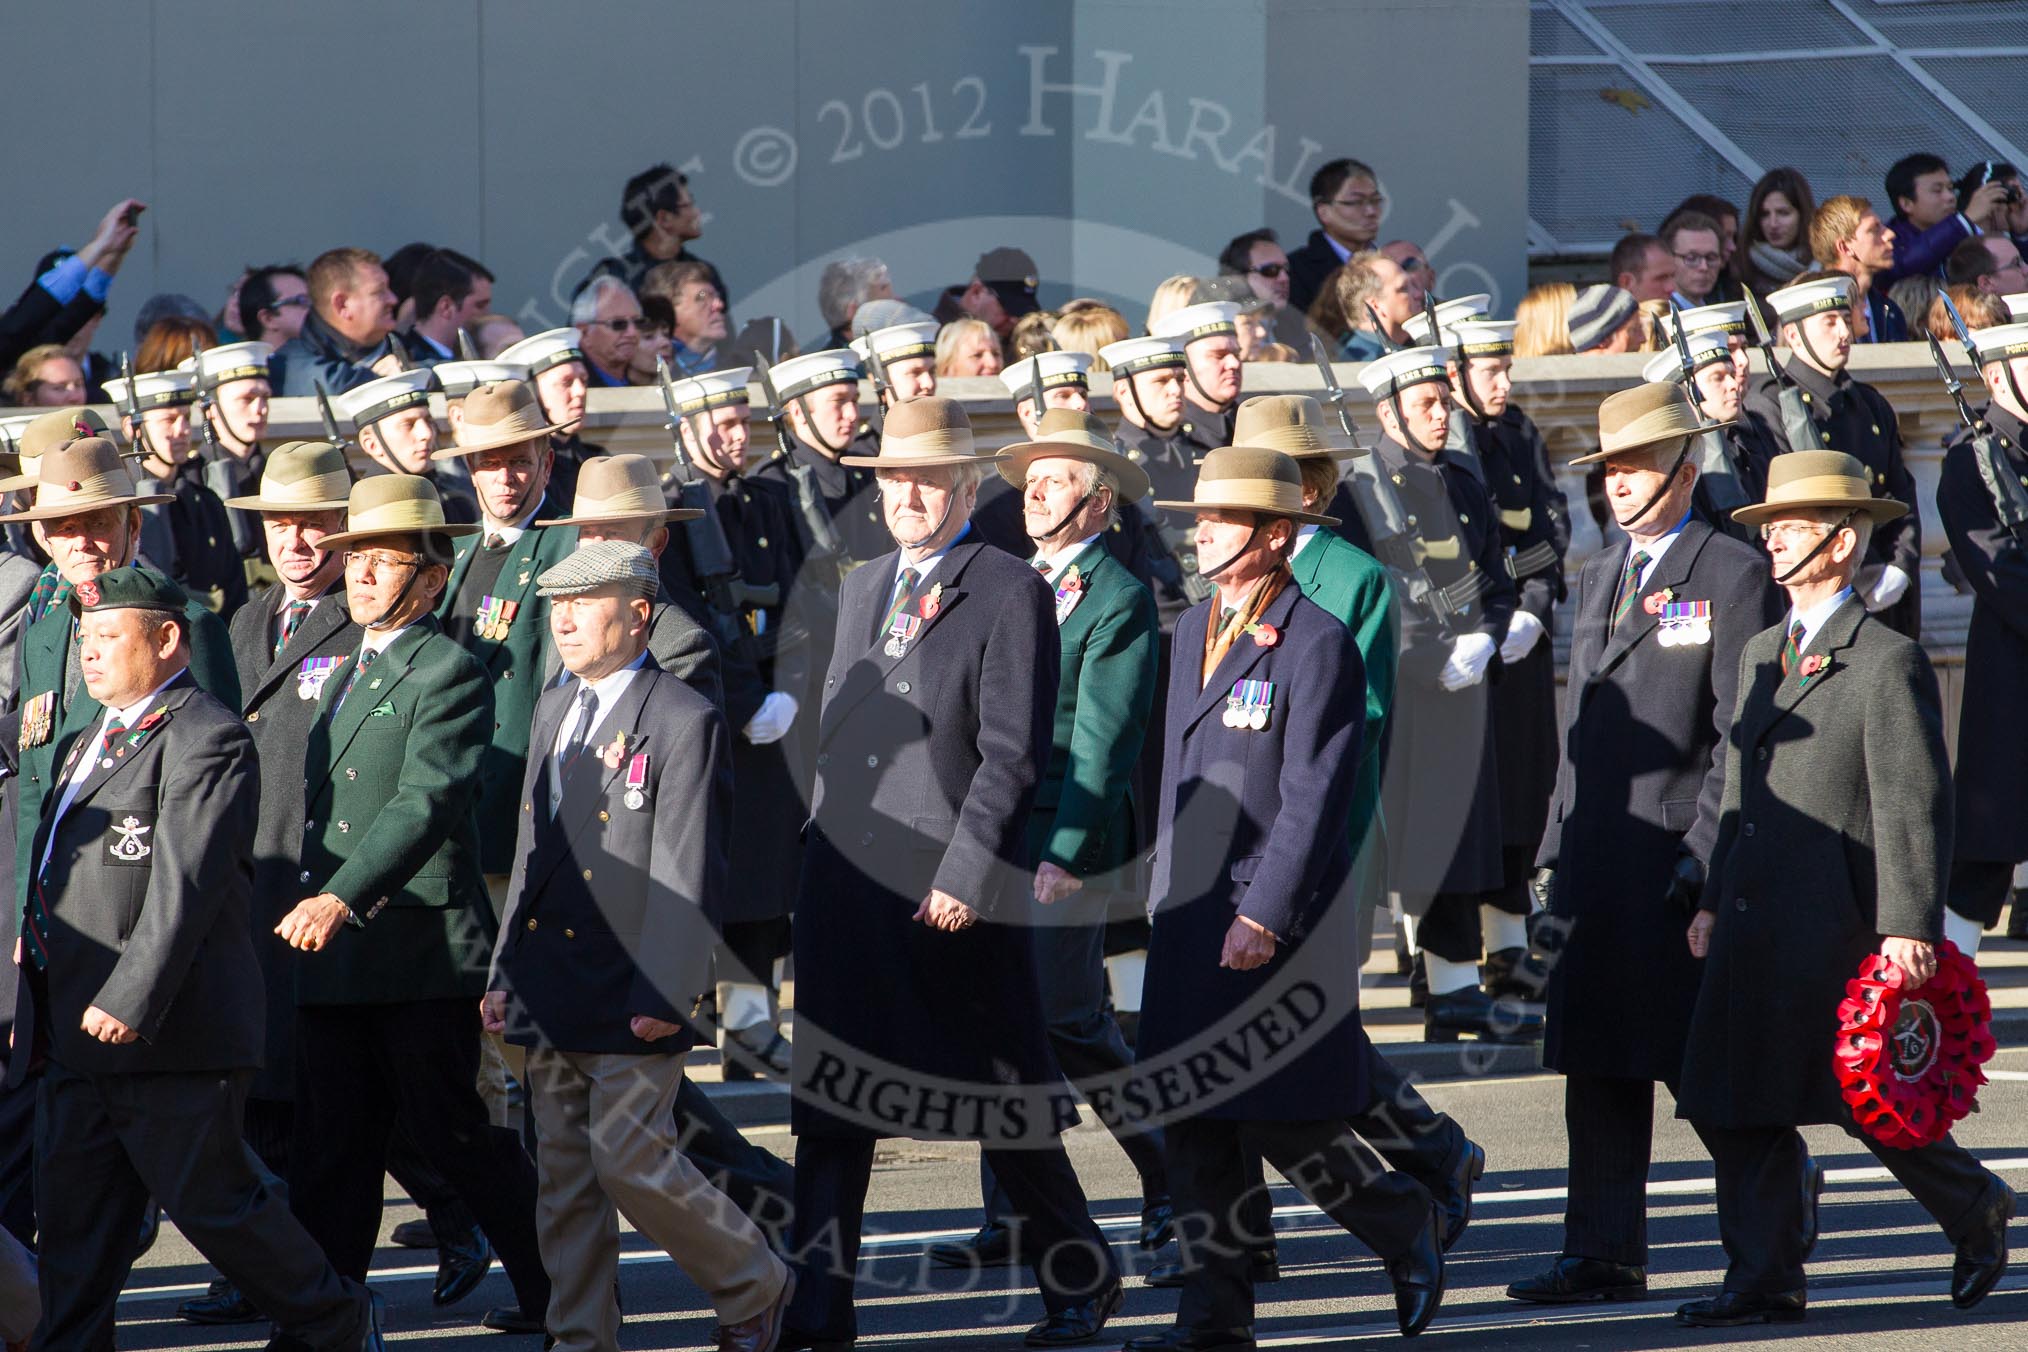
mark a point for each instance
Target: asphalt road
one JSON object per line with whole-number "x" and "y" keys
{"x": 1879, "y": 1278}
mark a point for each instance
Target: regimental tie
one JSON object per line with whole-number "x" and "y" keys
{"x": 293, "y": 616}
{"x": 904, "y": 588}
{"x": 366, "y": 656}
{"x": 1630, "y": 587}
{"x": 580, "y": 733}
{"x": 1792, "y": 646}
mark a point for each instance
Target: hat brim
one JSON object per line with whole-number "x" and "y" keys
{"x": 668, "y": 515}
{"x": 914, "y": 461}
{"x": 1012, "y": 462}
{"x": 40, "y": 513}
{"x": 465, "y": 448}
{"x": 1598, "y": 457}
{"x": 349, "y": 537}
{"x": 1880, "y": 509}
{"x": 257, "y": 504}
{"x": 1192, "y": 508}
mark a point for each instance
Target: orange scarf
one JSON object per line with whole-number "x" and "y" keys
{"x": 1218, "y": 638}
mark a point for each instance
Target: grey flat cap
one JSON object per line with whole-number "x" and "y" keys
{"x": 602, "y": 563}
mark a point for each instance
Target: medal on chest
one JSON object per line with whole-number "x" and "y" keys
{"x": 1249, "y": 705}
{"x": 310, "y": 677}
{"x": 1069, "y": 591}
{"x": 1683, "y": 624}
{"x": 38, "y": 719}
{"x": 495, "y": 617}
{"x": 637, "y": 782}
{"x": 902, "y": 633}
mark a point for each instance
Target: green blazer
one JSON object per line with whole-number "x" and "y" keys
{"x": 45, "y": 650}
{"x": 1348, "y": 582}
{"x": 514, "y": 666}
{"x": 388, "y": 826}
{"x": 1084, "y": 806}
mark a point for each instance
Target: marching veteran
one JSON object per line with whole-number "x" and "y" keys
{"x": 1834, "y": 844}
{"x": 1266, "y": 706}
{"x": 912, "y": 950}
{"x": 604, "y": 948}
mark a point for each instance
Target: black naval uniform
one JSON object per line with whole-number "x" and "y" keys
{"x": 1745, "y": 445}
{"x": 1855, "y": 418}
{"x": 847, "y": 491}
{"x": 191, "y": 539}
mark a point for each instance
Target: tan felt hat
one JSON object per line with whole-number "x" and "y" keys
{"x": 922, "y": 434}
{"x": 301, "y": 476}
{"x": 393, "y": 504}
{"x": 44, "y": 434}
{"x": 499, "y": 413}
{"x": 1293, "y": 424}
{"x": 620, "y": 488}
{"x": 1249, "y": 479}
{"x": 1830, "y": 479}
{"x": 1076, "y": 435}
{"x": 1646, "y": 415}
{"x": 81, "y": 476}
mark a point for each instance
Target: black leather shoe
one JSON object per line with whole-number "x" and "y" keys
{"x": 1513, "y": 971}
{"x": 1158, "y": 1224}
{"x": 1580, "y": 1281}
{"x": 414, "y": 1235}
{"x": 1265, "y": 1266}
{"x": 992, "y": 1246}
{"x": 1081, "y": 1322}
{"x": 1471, "y": 1010}
{"x": 461, "y": 1267}
{"x": 1454, "y": 1198}
{"x": 222, "y": 1304}
{"x": 1730, "y": 1309}
{"x": 761, "y": 1046}
{"x": 371, "y": 1339}
{"x": 1418, "y": 1277}
{"x": 1813, "y": 1199}
{"x": 512, "y": 1319}
{"x": 1982, "y": 1258}
{"x": 1194, "y": 1340}
{"x": 2017, "y": 917}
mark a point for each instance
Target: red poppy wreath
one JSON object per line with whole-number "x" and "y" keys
{"x": 1908, "y": 1060}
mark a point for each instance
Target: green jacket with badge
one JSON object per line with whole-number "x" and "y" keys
{"x": 388, "y": 826}
{"x": 514, "y": 665}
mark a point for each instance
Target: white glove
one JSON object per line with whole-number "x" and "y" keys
{"x": 1470, "y": 656}
{"x": 1887, "y": 588}
{"x": 1524, "y": 631}
{"x": 770, "y": 722}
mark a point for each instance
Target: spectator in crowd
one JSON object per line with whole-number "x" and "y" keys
{"x": 1929, "y": 221}
{"x": 1991, "y": 262}
{"x": 1718, "y": 209}
{"x": 1604, "y": 320}
{"x": 229, "y": 323}
{"x": 1087, "y": 326}
{"x": 1909, "y": 296}
{"x": 1542, "y": 321}
{"x": 273, "y": 302}
{"x": 1699, "y": 249}
{"x": 171, "y": 341}
{"x": 658, "y": 320}
{"x": 167, "y": 305}
{"x": 609, "y": 318}
{"x": 661, "y": 213}
{"x": 494, "y": 334}
{"x": 45, "y": 377}
{"x": 448, "y": 291}
{"x": 1775, "y": 246}
{"x": 1325, "y": 315}
{"x": 401, "y": 268}
{"x": 1377, "y": 298}
{"x": 2014, "y": 214}
{"x": 1408, "y": 255}
{"x": 967, "y": 347}
{"x": 697, "y": 307}
{"x": 1033, "y": 333}
{"x": 1846, "y": 236}
{"x": 1651, "y": 334}
{"x": 1643, "y": 267}
{"x": 1171, "y": 295}
{"x": 847, "y": 284}
{"x": 1346, "y": 200}
{"x": 1002, "y": 290}
{"x": 347, "y": 338}
{"x": 1259, "y": 257}
{"x": 1980, "y": 309}
{"x": 69, "y": 290}
{"x": 885, "y": 314}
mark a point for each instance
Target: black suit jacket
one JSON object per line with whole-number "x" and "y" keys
{"x": 147, "y": 888}
{"x": 1310, "y": 266}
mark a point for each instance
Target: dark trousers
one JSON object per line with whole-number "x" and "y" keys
{"x": 1070, "y": 973}
{"x": 1760, "y": 1196}
{"x": 1610, "y": 1125}
{"x": 357, "y": 1067}
{"x": 758, "y": 1182}
{"x": 105, "y": 1144}
{"x": 17, "y": 1161}
{"x": 1978, "y": 889}
{"x": 1327, "y": 1164}
{"x": 1451, "y": 928}
{"x": 1066, "y": 1250}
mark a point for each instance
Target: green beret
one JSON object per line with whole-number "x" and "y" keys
{"x": 129, "y": 589}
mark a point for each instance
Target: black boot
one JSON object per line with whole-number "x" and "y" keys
{"x": 1418, "y": 983}
{"x": 2017, "y": 918}
{"x": 1471, "y": 1010}
{"x": 1513, "y": 972}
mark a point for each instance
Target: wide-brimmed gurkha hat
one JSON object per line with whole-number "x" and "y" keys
{"x": 620, "y": 488}
{"x": 1132, "y": 355}
{"x": 364, "y": 405}
{"x": 602, "y": 563}
{"x": 83, "y": 476}
{"x": 1798, "y": 302}
{"x": 2001, "y": 342}
{"x": 301, "y": 476}
{"x": 1448, "y": 313}
{"x": 922, "y": 434}
{"x": 1075, "y": 435}
{"x": 540, "y": 351}
{"x": 1726, "y": 318}
{"x": 1803, "y": 479}
{"x": 1052, "y": 369}
{"x": 393, "y": 504}
{"x": 1653, "y": 414}
{"x": 459, "y": 378}
{"x": 1293, "y": 424}
{"x": 1249, "y": 479}
{"x": 500, "y": 413}
{"x": 1707, "y": 348}
{"x": 37, "y": 434}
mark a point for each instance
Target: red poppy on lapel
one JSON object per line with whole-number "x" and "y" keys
{"x": 1264, "y": 635}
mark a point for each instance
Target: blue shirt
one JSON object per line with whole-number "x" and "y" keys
{"x": 70, "y": 275}
{"x": 689, "y": 361}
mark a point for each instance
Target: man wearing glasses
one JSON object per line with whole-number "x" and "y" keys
{"x": 1694, "y": 239}
{"x": 1346, "y": 198}
{"x": 1259, "y": 257}
{"x": 610, "y": 319}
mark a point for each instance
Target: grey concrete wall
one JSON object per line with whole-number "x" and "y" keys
{"x": 1117, "y": 140}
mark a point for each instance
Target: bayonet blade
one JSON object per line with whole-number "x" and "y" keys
{"x": 1958, "y": 323}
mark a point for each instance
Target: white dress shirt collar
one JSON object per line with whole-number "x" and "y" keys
{"x": 1813, "y": 619}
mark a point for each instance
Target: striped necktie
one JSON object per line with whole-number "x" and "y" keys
{"x": 293, "y": 616}
{"x": 1630, "y": 587}
{"x": 359, "y": 667}
{"x": 1792, "y": 646}
{"x": 904, "y": 588}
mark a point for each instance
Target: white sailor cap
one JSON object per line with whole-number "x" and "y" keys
{"x": 1208, "y": 320}
{"x": 1394, "y": 372}
{"x": 538, "y": 352}
{"x": 153, "y": 389}
{"x": 221, "y": 365}
{"x": 2001, "y": 342}
{"x": 713, "y": 389}
{"x": 1726, "y": 318}
{"x": 899, "y": 342}
{"x": 1481, "y": 337}
{"x": 1449, "y": 314}
{"x": 1706, "y": 349}
{"x": 1815, "y": 296}
{"x": 798, "y": 376}
{"x": 459, "y": 378}
{"x": 366, "y": 404}
{"x": 2017, "y": 305}
{"x": 1130, "y": 355}
{"x": 1052, "y": 369}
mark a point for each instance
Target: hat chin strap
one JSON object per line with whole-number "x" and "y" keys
{"x": 822, "y": 442}
{"x": 1147, "y": 422}
{"x": 1190, "y": 371}
{"x": 1662, "y": 490}
{"x": 935, "y": 531}
{"x": 1064, "y": 520}
{"x": 1819, "y": 548}
{"x": 400, "y": 596}
{"x": 1209, "y": 574}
